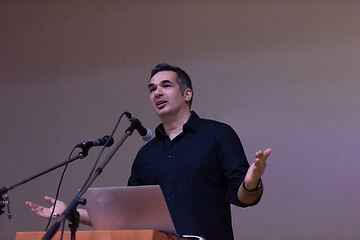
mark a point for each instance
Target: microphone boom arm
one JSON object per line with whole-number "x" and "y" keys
{"x": 4, "y": 190}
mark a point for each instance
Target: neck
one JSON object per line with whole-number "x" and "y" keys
{"x": 173, "y": 124}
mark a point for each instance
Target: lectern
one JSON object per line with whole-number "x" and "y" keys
{"x": 102, "y": 235}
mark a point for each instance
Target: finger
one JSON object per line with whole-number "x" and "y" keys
{"x": 32, "y": 205}
{"x": 37, "y": 210}
{"x": 257, "y": 162}
{"x": 260, "y": 162}
{"x": 259, "y": 155}
{"x": 263, "y": 155}
{"x": 267, "y": 153}
{"x": 259, "y": 166}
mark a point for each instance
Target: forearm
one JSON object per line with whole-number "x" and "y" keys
{"x": 84, "y": 217}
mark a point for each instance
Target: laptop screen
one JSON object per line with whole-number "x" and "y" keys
{"x": 128, "y": 208}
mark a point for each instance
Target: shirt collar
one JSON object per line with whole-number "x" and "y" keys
{"x": 191, "y": 125}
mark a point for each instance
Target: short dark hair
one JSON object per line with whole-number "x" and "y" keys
{"x": 182, "y": 79}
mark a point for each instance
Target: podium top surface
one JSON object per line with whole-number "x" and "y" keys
{"x": 102, "y": 235}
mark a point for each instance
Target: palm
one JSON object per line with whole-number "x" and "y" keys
{"x": 256, "y": 170}
{"x": 45, "y": 212}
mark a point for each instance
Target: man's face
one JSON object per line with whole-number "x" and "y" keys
{"x": 165, "y": 95}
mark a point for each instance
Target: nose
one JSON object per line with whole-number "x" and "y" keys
{"x": 158, "y": 92}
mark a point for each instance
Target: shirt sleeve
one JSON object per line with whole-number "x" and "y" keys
{"x": 233, "y": 162}
{"x": 135, "y": 179}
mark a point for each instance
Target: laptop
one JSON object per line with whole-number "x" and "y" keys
{"x": 128, "y": 208}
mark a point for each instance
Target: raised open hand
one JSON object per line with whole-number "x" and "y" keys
{"x": 45, "y": 212}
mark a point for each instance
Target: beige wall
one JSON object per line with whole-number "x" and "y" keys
{"x": 284, "y": 74}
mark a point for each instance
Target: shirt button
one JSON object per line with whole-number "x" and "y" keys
{"x": 168, "y": 177}
{"x": 170, "y": 156}
{"x": 167, "y": 199}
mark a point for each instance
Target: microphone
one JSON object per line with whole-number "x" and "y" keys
{"x": 98, "y": 142}
{"x": 145, "y": 134}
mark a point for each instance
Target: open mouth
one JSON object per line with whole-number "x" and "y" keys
{"x": 160, "y": 103}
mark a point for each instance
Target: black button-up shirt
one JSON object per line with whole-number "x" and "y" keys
{"x": 199, "y": 172}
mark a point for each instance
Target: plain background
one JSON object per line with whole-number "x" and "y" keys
{"x": 284, "y": 74}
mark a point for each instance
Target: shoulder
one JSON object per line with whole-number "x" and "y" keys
{"x": 221, "y": 133}
{"x": 197, "y": 123}
{"x": 214, "y": 125}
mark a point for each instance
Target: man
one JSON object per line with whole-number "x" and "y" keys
{"x": 199, "y": 164}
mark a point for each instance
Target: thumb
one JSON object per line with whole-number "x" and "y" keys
{"x": 49, "y": 199}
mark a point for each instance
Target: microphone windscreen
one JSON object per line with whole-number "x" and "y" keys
{"x": 147, "y": 137}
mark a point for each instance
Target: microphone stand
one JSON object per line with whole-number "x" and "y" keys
{"x": 5, "y": 201}
{"x": 70, "y": 212}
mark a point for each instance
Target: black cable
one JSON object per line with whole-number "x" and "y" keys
{"x": 91, "y": 173}
{"x": 102, "y": 150}
{"x": 58, "y": 191}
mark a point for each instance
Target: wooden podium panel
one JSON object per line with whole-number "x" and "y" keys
{"x": 101, "y": 235}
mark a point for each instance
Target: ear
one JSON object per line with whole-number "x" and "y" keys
{"x": 187, "y": 94}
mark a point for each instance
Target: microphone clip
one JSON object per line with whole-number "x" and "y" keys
{"x": 106, "y": 141}
{"x": 85, "y": 150}
{"x": 4, "y": 202}
{"x": 135, "y": 124}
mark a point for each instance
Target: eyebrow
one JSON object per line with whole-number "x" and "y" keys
{"x": 162, "y": 82}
